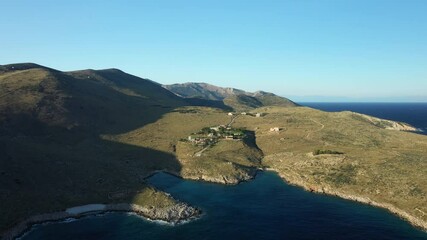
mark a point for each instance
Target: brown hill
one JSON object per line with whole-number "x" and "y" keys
{"x": 52, "y": 155}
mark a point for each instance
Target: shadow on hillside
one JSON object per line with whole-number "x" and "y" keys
{"x": 112, "y": 102}
{"x": 54, "y": 159}
{"x": 59, "y": 169}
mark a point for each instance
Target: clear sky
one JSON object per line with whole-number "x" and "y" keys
{"x": 341, "y": 50}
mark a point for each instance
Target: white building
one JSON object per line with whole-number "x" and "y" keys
{"x": 216, "y": 129}
{"x": 275, "y": 129}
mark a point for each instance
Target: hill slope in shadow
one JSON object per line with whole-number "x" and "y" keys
{"x": 50, "y": 125}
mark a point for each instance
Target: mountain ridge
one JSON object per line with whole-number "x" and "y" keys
{"x": 237, "y": 99}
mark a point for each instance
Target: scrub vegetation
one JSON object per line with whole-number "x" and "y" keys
{"x": 75, "y": 138}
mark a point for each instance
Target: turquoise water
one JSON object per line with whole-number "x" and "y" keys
{"x": 265, "y": 208}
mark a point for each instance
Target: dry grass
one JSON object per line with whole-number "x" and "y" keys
{"x": 229, "y": 159}
{"x": 70, "y": 139}
{"x": 385, "y": 165}
{"x": 152, "y": 198}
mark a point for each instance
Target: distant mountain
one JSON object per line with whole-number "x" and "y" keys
{"x": 232, "y": 97}
{"x": 203, "y": 90}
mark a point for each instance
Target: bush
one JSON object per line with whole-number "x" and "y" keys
{"x": 319, "y": 151}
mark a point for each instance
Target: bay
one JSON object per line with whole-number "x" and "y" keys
{"x": 265, "y": 208}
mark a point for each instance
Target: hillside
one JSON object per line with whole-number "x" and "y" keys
{"x": 236, "y": 99}
{"x": 93, "y": 136}
{"x": 346, "y": 154}
{"x": 50, "y": 127}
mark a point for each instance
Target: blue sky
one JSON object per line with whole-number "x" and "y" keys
{"x": 313, "y": 50}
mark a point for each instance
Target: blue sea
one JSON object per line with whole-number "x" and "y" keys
{"x": 265, "y": 208}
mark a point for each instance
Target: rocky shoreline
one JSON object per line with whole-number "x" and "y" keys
{"x": 221, "y": 179}
{"x": 248, "y": 174}
{"x": 226, "y": 180}
{"x": 388, "y": 124}
{"x": 400, "y": 213}
{"x": 175, "y": 214}
{"x": 181, "y": 212}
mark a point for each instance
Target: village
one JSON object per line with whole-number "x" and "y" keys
{"x": 208, "y": 136}
{"x": 211, "y": 135}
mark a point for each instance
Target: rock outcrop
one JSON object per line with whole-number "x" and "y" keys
{"x": 240, "y": 175}
{"x": 172, "y": 214}
{"x": 386, "y": 124}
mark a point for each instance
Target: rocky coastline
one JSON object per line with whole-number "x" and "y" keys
{"x": 320, "y": 190}
{"x": 244, "y": 174}
{"x": 175, "y": 214}
{"x": 182, "y": 212}
{"x": 222, "y": 179}
{"x": 388, "y": 124}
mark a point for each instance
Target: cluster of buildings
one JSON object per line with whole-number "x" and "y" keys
{"x": 211, "y": 135}
{"x": 201, "y": 141}
{"x": 245, "y": 113}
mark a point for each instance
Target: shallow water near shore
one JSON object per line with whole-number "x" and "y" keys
{"x": 265, "y": 208}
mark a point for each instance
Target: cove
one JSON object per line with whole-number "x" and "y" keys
{"x": 264, "y": 208}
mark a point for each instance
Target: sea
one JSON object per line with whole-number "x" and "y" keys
{"x": 264, "y": 208}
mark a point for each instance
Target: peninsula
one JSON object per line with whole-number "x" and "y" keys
{"x": 93, "y": 137}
